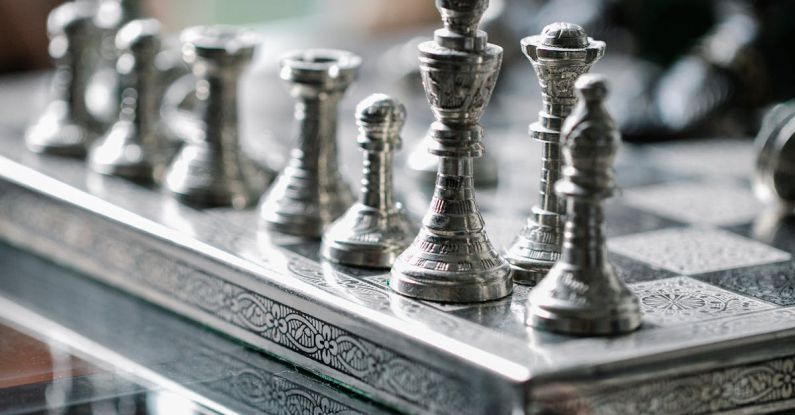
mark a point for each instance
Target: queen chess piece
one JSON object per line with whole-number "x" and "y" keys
{"x": 211, "y": 169}
{"x": 581, "y": 294}
{"x": 375, "y": 230}
{"x": 310, "y": 193}
{"x": 135, "y": 147}
{"x": 452, "y": 258}
{"x": 65, "y": 128}
{"x": 560, "y": 54}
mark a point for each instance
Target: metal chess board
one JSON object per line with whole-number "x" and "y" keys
{"x": 711, "y": 265}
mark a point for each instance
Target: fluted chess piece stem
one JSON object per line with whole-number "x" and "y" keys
{"x": 211, "y": 169}
{"x": 375, "y": 230}
{"x": 310, "y": 193}
{"x": 452, "y": 258}
{"x": 560, "y": 54}
{"x": 581, "y": 294}
{"x": 65, "y": 128}
{"x": 135, "y": 146}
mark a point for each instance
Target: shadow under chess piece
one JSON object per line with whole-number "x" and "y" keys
{"x": 452, "y": 258}
{"x": 310, "y": 193}
{"x": 211, "y": 169}
{"x": 560, "y": 54}
{"x": 135, "y": 147}
{"x": 66, "y": 128}
{"x": 581, "y": 294}
{"x": 374, "y": 231}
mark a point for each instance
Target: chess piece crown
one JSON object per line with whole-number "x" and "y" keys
{"x": 211, "y": 169}
{"x": 310, "y": 193}
{"x": 135, "y": 146}
{"x": 65, "y": 128}
{"x": 559, "y": 55}
{"x": 581, "y": 294}
{"x": 452, "y": 258}
{"x": 375, "y": 229}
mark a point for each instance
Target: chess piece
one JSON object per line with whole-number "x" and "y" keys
{"x": 135, "y": 146}
{"x": 66, "y": 128}
{"x": 581, "y": 294}
{"x": 375, "y": 230}
{"x": 560, "y": 54}
{"x": 425, "y": 165}
{"x": 103, "y": 93}
{"x": 309, "y": 194}
{"x": 452, "y": 258}
{"x": 774, "y": 174}
{"x": 210, "y": 169}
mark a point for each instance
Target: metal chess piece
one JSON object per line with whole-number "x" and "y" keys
{"x": 310, "y": 193}
{"x": 210, "y": 169}
{"x": 452, "y": 258}
{"x": 560, "y": 54}
{"x": 375, "y": 230}
{"x": 103, "y": 93}
{"x": 135, "y": 146}
{"x": 425, "y": 165}
{"x": 774, "y": 174}
{"x": 581, "y": 294}
{"x": 66, "y": 128}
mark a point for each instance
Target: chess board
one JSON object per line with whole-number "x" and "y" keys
{"x": 711, "y": 265}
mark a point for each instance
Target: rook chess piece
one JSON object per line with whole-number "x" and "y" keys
{"x": 210, "y": 169}
{"x": 559, "y": 55}
{"x": 66, "y": 128}
{"x": 375, "y": 230}
{"x": 581, "y": 294}
{"x": 310, "y": 193}
{"x": 452, "y": 258}
{"x": 135, "y": 146}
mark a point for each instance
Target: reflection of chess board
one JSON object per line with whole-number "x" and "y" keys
{"x": 717, "y": 331}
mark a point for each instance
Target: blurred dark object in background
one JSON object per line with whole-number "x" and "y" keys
{"x": 23, "y": 38}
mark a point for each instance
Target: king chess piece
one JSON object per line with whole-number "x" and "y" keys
{"x": 560, "y": 54}
{"x": 310, "y": 193}
{"x": 452, "y": 258}
{"x": 135, "y": 147}
{"x": 211, "y": 169}
{"x": 374, "y": 231}
{"x": 581, "y": 294}
{"x": 65, "y": 128}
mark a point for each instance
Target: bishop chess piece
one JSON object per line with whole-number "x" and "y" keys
{"x": 452, "y": 258}
{"x": 375, "y": 230}
{"x": 66, "y": 128}
{"x": 560, "y": 54}
{"x": 581, "y": 294}
{"x": 211, "y": 169}
{"x": 309, "y": 193}
{"x": 135, "y": 146}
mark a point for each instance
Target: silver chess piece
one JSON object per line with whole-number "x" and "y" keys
{"x": 376, "y": 229}
{"x": 452, "y": 258}
{"x": 425, "y": 165}
{"x": 211, "y": 169}
{"x": 103, "y": 92}
{"x": 65, "y": 128}
{"x": 774, "y": 173}
{"x": 135, "y": 146}
{"x": 309, "y": 193}
{"x": 581, "y": 294}
{"x": 560, "y": 54}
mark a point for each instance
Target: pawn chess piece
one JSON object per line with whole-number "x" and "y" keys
{"x": 135, "y": 147}
{"x": 309, "y": 194}
{"x": 375, "y": 230}
{"x": 211, "y": 169}
{"x": 581, "y": 294}
{"x": 559, "y": 55}
{"x": 66, "y": 128}
{"x": 452, "y": 258}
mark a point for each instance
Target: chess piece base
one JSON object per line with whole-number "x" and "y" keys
{"x": 118, "y": 153}
{"x": 365, "y": 237}
{"x": 612, "y": 310}
{"x": 450, "y": 287}
{"x": 533, "y": 253}
{"x": 54, "y": 134}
